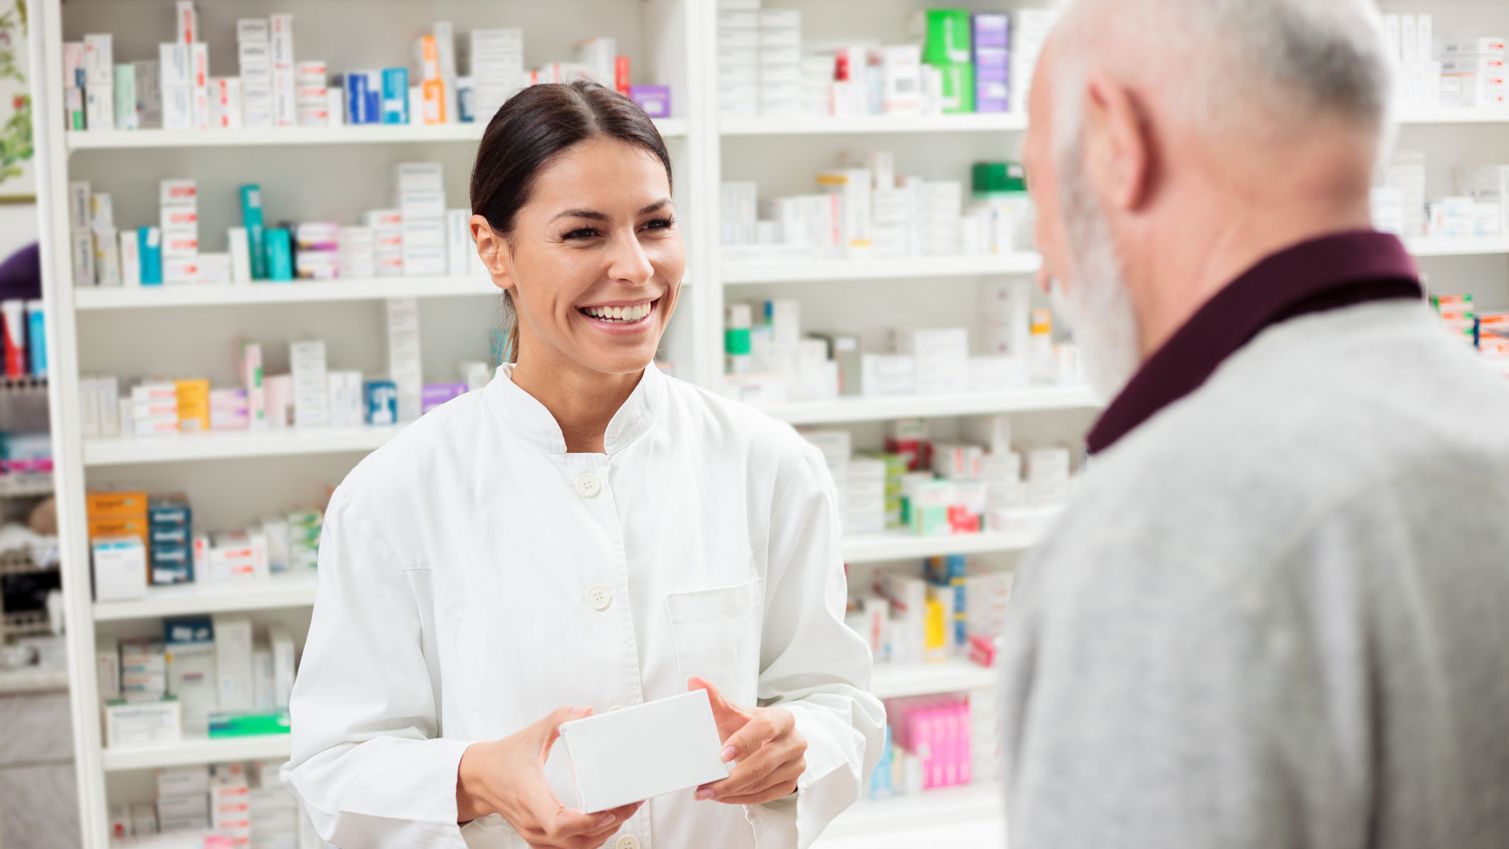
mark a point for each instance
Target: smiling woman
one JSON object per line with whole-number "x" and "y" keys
{"x": 572, "y": 215}
{"x": 583, "y": 533}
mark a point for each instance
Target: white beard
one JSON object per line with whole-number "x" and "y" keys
{"x": 1096, "y": 303}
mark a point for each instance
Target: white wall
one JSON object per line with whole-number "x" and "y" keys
{"x": 18, "y": 226}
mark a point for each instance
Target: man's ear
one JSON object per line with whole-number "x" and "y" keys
{"x": 1119, "y": 147}
{"x": 493, "y": 251}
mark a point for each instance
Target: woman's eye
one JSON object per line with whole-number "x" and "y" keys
{"x": 583, "y": 233}
{"x": 660, "y": 224}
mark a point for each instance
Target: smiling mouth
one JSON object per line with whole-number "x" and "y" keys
{"x": 621, "y": 315}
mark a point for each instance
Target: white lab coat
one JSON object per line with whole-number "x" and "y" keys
{"x": 474, "y": 576}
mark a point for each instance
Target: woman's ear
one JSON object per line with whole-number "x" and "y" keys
{"x": 492, "y": 249}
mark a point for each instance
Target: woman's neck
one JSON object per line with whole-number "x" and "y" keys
{"x": 582, "y": 402}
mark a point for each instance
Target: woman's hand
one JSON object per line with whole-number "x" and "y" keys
{"x": 507, "y": 777}
{"x": 763, "y": 743}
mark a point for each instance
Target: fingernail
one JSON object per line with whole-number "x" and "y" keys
{"x": 704, "y": 794}
{"x": 728, "y": 753}
{"x": 605, "y": 821}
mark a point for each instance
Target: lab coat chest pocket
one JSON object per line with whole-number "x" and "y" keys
{"x": 717, "y": 637}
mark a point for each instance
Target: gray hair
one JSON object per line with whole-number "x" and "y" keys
{"x": 1250, "y": 62}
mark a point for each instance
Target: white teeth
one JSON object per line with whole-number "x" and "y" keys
{"x": 629, "y": 313}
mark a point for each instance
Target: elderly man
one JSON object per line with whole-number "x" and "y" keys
{"x": 1277, "y": 614}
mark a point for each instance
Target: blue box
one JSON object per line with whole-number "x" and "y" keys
{"x": 149, "y": 250}
{"x": 395, "y": 95}
{"x": 356, "y": 98}
{"x": 374, "y": 96}
{"x": 36, "y": 341}
{"x": 382, "y": 402}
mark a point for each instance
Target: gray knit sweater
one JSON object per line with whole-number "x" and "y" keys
{"x": 1277, "y": 613}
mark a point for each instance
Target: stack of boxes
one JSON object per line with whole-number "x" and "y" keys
{"x": 312, "y": 93}
{"x": 179, "y": 218}
{"x": 254, "y": 53}
{"x": 285, "y": 111}
{"x": 226, "y": 107}
{"x": 739, "y": 57}
{"x": 1473, "y": 73}
{"x": 357, "y": 252}
{"x": 106, "y": 241}
{"x": 1029, "y": 34}
{"x": 304, "y": 540}
{"x": 230, "y": 804}
{"x": 98, "y": 81}
{"x": 1410, "y": 44}
{"x": 949, "y": 50}
{"x": 1458, "y": 315}
{"x": 154, "y": 408}
{"x": 184, "y": 68}
{"x": 780, "y": 50}
{"x": 1488, "y": 186}
{"x": 193, "y": 399}
{"x": 311, "y": 383}
{"x": 273, "y": 808}
{"x": 230, "y": 409}
{"x": 420, "y": 189}
{"x": 435, "y": 89}
{"x": 317, "y": 250}
{"x": 941, "y": 356}
{"x": 1048, "y": 476}
{"x": 497, "y": 58}
{"x": 992, "y": 60}
{"x": 865, "y": 496}
{"x": 404, "y": 356}
{"x": 81, "y": 234}
{"x": 118, "y": 533}
{"x": 171, "y": 537}
{"x": 189, "y": 646}
{"x": 183, "y": 799}
{"x": 386, "y": 226}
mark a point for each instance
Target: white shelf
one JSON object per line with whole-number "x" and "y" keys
{"x": 198, "y": 750}
{"x": 775, "y": 271}
{"x": 935, "y": 406}
{"x": 262, "y": 137}
{"x": 802, "y": 125}
{"x": 303, "y": 291}
{"x": 1451, "y": 115}
{"x": 1436, "y": 246}
{"x": 32, "y": 680}
{"x": 878, "y": 548}
{"x": 900, "y": 680}
{"x": 924, "y": 813}
{"x": 233, "y": 445}
{"x": 213, "y": 597}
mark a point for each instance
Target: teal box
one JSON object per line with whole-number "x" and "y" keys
{"x": 279, "y": 255}
{"x": 251, "y": 219}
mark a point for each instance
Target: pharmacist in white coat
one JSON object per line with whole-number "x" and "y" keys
{"x": 585, "y": 533}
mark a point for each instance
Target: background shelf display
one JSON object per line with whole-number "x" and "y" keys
{"x": 290, "y": 136}
{"x": 195, "y": 751}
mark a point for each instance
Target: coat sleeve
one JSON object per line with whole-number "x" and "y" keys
{"x": 813, "y": 664}
{"x": 368, "y": 763}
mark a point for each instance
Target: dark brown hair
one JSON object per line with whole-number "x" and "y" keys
{"x": 534, "y": 127}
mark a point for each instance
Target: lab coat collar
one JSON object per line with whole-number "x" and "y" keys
{"x": 535, "y": 425}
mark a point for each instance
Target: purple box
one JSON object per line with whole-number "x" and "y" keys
{"x": 655, "y": 100}
{"x": 992, "y": 30}
{"x": 992, "y": 90}
{"x": 435, "y": 394}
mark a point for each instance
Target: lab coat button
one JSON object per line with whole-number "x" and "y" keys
{"x": 626, "y": 841}
{"x": 599, "y": 597}
{"x": 588, "y": 485}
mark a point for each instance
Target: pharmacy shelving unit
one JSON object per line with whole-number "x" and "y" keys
{"x": 234, "y": 478}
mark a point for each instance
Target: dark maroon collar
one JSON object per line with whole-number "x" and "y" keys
{"x": 1321, "y": 274}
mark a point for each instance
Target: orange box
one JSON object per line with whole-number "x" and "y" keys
{"x": 126, "y": 504}
{"x": 118, "y": 527}
{"x": 434, "y": 101}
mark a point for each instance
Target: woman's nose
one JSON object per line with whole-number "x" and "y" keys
{"x": 630, "y": 263}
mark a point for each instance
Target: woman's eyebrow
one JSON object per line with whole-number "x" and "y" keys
{"x": 593, "y": 215}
